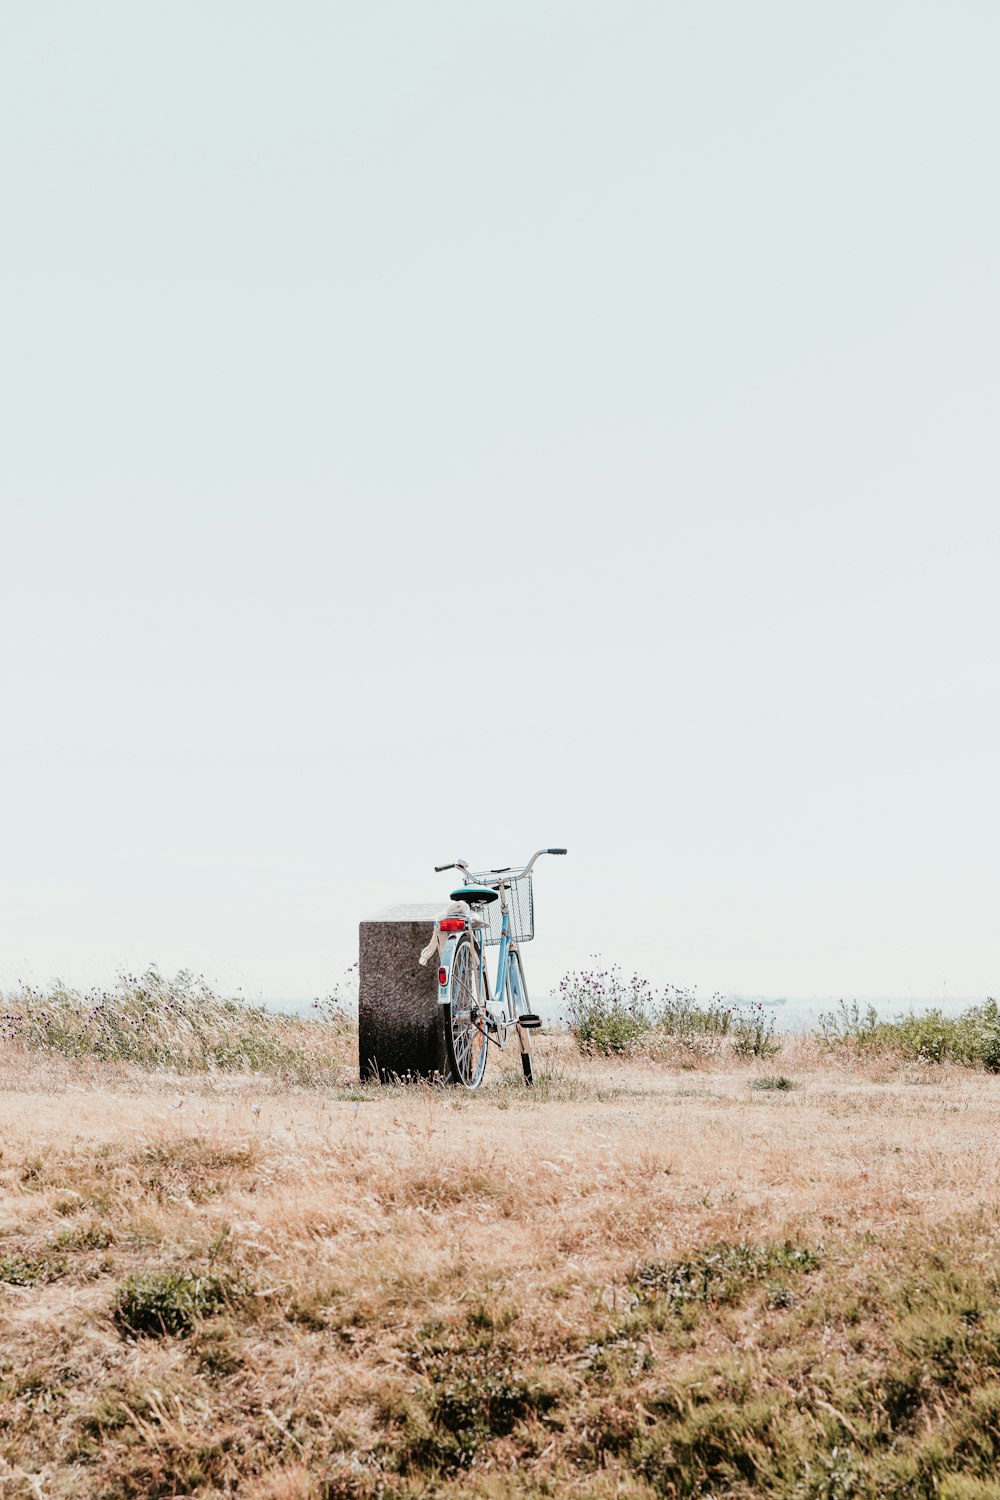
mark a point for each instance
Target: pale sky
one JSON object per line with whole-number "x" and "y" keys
{"x": 443, "y": 429}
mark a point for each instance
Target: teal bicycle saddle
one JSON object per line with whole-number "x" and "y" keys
{"x": 475, "y": 894}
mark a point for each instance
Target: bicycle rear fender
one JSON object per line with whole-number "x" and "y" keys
{"x": 444, "y": 969}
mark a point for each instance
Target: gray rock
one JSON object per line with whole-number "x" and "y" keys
{"x": 399, "y": 1023}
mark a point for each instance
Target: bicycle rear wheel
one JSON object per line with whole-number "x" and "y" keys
{"x": 465, "y": 1018}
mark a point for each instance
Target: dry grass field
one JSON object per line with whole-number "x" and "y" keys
{"x": 635, "y": 1280}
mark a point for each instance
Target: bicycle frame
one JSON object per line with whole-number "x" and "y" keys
{"x": 508, "y": 979}
{"x": 486, "y": 1017}
{"x": 507, "y": 976}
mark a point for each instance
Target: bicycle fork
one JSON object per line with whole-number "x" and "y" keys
{"x": 519, "y": 1005}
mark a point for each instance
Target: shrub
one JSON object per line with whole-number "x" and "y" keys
{"x": 682, "y": 1017}
{"x": 605, "y": 1012}
{"x": 985, "y": 1021}
{"x": 849, "y": 1025}
{"x": 753, "y": 1031}
{"x": 972, "y": 1038}
{"x": 609, "y": 1014}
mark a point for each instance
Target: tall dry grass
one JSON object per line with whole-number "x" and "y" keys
{"x": 639, "y": 1279}
{"x": 180, "y": 1025}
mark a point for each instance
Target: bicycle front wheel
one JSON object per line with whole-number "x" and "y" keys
{"x": 465, "y": 1019}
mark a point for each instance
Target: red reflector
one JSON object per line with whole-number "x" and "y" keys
{"x": 452, "y": 924}
{"x": 442, "y": 977}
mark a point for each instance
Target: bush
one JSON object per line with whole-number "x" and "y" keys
{"x": 753, "y": 1031}
{"x": 680, "y": 1015}
{"x": 972, "y": 1038}
{"x": 608, "y": 1014}
{"x": 849, "y": 1025}
{"x": 605, "y": 1012}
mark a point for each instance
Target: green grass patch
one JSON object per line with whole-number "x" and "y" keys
{"x": 30, "y": 1270}
{"x": 163, "y": 1302}
{"x": 868, "y": 1369}
{"x": 873, "y": 1384}
{"x": 87, "y": 1237}
{"x": 473, "y": 1388}
{"x": 776, "y": 1083}
{"x": 717, "y": 1274}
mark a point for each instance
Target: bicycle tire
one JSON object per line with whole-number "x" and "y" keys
{"x": 465, "y": 1019}
{"x": 522, "y": 990}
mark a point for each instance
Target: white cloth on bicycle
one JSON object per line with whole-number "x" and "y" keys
{"x": 439, "y": 938}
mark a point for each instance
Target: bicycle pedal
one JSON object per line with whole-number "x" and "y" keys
{"x": 530, "y": 1022}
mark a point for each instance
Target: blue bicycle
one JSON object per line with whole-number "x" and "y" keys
{"x": 501, "y": 911}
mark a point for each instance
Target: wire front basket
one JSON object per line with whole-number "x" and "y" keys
{"x": 520, "y": 904}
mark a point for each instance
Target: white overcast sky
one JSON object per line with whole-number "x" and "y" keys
{"x": 441, "y": 429}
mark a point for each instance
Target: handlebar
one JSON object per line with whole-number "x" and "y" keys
{"x": 461, "y": 864}
{"x": 537, "y": 855}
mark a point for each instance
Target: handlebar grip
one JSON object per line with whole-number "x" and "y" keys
{"x": 555, "y": 851}
{"x": 439, "y": 868}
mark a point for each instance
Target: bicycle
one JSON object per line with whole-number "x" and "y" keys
{"x": 474, "y": 1018}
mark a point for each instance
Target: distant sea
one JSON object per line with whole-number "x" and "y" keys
{"x": 801, "y": 1013}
